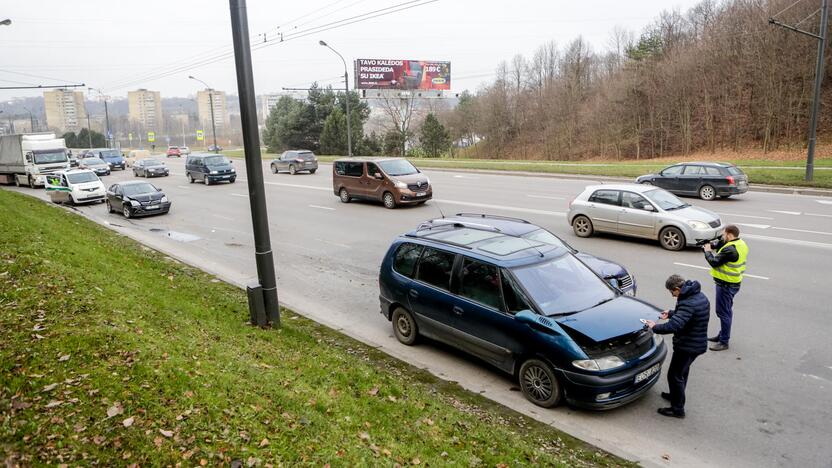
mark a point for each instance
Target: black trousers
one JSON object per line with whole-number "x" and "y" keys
{"x": 677, "y": 377}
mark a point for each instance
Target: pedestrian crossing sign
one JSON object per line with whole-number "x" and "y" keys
{"x": 199, "y": 135}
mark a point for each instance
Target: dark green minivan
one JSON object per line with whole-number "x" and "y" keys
{"x": 209, "y": 168}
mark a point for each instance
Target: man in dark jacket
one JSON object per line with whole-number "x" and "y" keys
{"x": 688, "y": 323}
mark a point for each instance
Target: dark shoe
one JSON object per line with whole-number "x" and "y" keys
{"x": 719, "y": 347}
{"x": 666, "y": 396}
{"x": 714, "y": 339}
{"x": 669, "y": 412}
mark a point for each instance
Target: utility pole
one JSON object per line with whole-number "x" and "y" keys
{"x": 262, "y": 297}
{"x": 347, "y": 88}
{"x": 31, "y": 120}
{"x": 106, "y": 115}
{"x": 211, "y": 105}
{"x": 813, "y": 124}
{"x": 89, "y": 128}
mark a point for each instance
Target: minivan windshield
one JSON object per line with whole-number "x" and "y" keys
{"x": 50, "y": 157}
{"x": 111, "y": 154}
{"x": 216, "y": 161}
{"x": 138, "y": 189}
{"x": 666, "y": 200}
{"x": 82, "y": 177}
{"x": 398, "y": 167}
{"x": 563, "y": 285}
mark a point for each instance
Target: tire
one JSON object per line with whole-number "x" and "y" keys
{"x": 707, "y": 192}
{"x": 135, "y": 173}
{"x": 190, "y": 178}
{"x": 672, "y": 238}
{"x": 404, "y": 327}
{"x": 72, "y": 201}
{"x": 31, "y": 182}
{"x": 312, "y": 171}
{"x": 126, "y": 212}
{"x": 539, "y": 383}
{"x": 582, "y": 226}
{"x": 231, "y": 180}
{"x": 292, "y": 169}
{"x": 274, "y": 169}
{"x": 389, "y": 200}
{"x": 109, "y": 207}
{"x": 146, "y": 175}
{"x": 16, "y": 181}
{"x": 344, "y": 195}
{"x": 206, "y": 180}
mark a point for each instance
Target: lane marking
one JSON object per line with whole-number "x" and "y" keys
{"x": 183, "y": 186}
{"x": 817, "y": 214}
{"x": 699, "y": 267}
{"x": 804, "y": 230}
{"x": 238, "y": 195}
{"x": 465, "y": 177}
{"x": 743, "y": 216}
{"x": 322, "y": 207}
{"x": 298, "y": 186}
{"x": 506, "y": 208}
{"x": 757, "y": 226}
{"x": 222, "y": 217}
{"x": 344, "y": 246}
{"x": 825, "y": 202}
{"x": 822, "y": 245}
{"x": 546, "y": 197}
{"x": 794, "y": 213}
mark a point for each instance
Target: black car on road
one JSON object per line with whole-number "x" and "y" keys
{"x": 136, "y": 198}
{"x": 707, "y": 180}
{"x": 150, "y": 168}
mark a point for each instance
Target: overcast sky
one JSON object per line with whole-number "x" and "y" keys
{"x": 115, "y": 44}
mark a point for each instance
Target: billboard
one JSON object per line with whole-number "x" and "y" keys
{"x": 402, "y": 74}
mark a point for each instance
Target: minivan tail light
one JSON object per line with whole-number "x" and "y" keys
{"x": 730, "y": 180}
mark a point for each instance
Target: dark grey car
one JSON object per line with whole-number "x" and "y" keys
{"x": 707, "y": 180}
{"x": 295, "y": 161}
{"x": 150, "y": 168}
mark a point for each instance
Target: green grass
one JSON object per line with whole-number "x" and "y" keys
{"x": 113, "y": 354}
{"x": 777, "y": 173}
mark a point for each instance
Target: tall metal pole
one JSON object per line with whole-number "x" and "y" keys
{"x": 347, "y": 88}
{"x": 31, "y": 119}
{"x": 107, "y": 119}
{"x": 813, "y": 127}
{"x": 254, "y": 170}
{"x": 89, "y": 128}
{"x": 211, "y": 105}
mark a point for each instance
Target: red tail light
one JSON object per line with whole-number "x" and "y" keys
{"x": 730, "y": 180}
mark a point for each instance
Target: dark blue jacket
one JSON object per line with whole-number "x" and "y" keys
{"x": 689, "y": 321}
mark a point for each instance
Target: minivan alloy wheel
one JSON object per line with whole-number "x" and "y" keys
{"x": 539, "y": 383}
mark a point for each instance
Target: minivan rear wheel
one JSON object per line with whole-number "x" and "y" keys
{"x": 190, "y": 178}
{"x": 389, "y": 200}
{"x": 582, "y": 226}
{"x": 345, "y": 196}
{"x": 539, "y": 383}
{"x": 404, "y": 327}
{"x": 672, "y": 238}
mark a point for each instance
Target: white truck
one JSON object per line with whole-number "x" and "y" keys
{"x": 26, "y": 159}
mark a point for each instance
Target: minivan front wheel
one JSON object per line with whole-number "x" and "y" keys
{"x": 345, "y": 196}
{"x": 539, "y": 383}
{"x": 582, "y": 226}
{"x": 389, "y": 200}
{"x": 672, "y": 238}
{"x": 404, "y": 327}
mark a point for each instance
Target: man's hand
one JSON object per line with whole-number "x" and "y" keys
{"x": 664, "y": 315}
{"x": 650, "y": 323}
{"x": 707, "y": 247}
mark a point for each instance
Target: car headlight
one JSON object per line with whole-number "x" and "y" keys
{"x": 400, "y": 184}
{"x": 698, "y": 225}
{"x": 600, "y": 364}
{"x": 233, "y": 170}
{"x": 213, "y": 172}
{"x": 657, "y": 339}
{"x": 135, "y": 203}
{"x": 164, "y": 199}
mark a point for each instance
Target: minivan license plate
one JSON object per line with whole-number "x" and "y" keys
{"x": 644, "y": 375}
{"x": 153, "y": 207}
{"x": 421, "y": 194}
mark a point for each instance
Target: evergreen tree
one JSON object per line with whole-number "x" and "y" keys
{"x": 434, "y": 137}
{"x": 334, "y": 133}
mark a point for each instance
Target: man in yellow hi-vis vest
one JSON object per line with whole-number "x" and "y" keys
{"x": 727, "y": 259}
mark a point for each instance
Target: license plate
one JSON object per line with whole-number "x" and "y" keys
{"x": 421, "y": 194}
{"x": 153, "y": 207}
{"x": 644, "y": 375}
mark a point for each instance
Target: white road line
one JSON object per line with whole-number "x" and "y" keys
{"x": 819, "y": 215}
{"x": 743, "y": 216}
{"x": 239, "y": 195}
{"x": 465, "y": 177}
{"x": 700, "y": 267}
{"x": 222, "y": 217}
{"x": 546, "y": 197}
{"x": 757, "y": 226}
{"x": 794, "y": 213}
{"x": 183, "y": 186}
{"x": 344, "y": 246}
{"x": 804, "y": 230}
{"x": 322, "y": 207}
{"x": 825, "y": 202}
{"x": 502, "y": 207}
{"x": 298, "y": 186}
{"x": 822, "y": 245}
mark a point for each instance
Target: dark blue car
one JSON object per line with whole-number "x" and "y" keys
{"x": 531, "y": 308}
{"x": 113, "y": 157}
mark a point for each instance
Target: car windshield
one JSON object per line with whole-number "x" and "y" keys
{"x": 111, "y": 154}
{"x": 546, "y": 237}
{"x": 306, "y": 155}
{"x": 152, "y": 162}
{"x": 138, "y": 189}
{"x": 563, "y": 285}
{"x": 398, "y": 167}
{"x": 50, "y": 157}
{"x": 94, "y": 162}
{"x": 215, "y": 161}
{"x": 666, "y": 200}
{"x": 81, "y": 177}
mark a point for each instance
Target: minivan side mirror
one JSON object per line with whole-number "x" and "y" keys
{"x": 378, "y": 176}
{"x": 526, "y": 316}
{"x": 539, "y": 322}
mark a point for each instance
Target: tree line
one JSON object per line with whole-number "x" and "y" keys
{"x": 716, "y": 77}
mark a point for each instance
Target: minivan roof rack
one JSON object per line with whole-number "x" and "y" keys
{"x": 490, "y": 216}
{"x": 437, "y": 223}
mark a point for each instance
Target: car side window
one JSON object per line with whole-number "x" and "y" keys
{"x": 694, "y": 170}
{"x": 372, "y": 169}
{"x": 633, "y": 200}
{"x": 515, "y": 300}
{"x": 116, "y": 189}
{"x": 606, "y": 197}
{"x": 480, "y": 282}
{"x": 354, "y": 169}
{"x": 64, "y": 182}
{"x": 712, "y": 171}
{"x": 672, "y": 171}
{"x": 406, "y": 258}
{"x": 435, "y": 268}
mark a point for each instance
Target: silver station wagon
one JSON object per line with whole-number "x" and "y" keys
{"x": 642, "y": 211}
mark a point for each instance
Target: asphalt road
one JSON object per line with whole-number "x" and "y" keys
{"x": 765, "y": 402}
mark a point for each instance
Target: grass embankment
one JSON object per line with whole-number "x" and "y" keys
{"x": 774, "y": 172}
{"x": 113, "y": 354}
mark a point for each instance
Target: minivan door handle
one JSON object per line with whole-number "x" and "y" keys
{"x": 414, "y": 293}
{"x": 458, "y": 310}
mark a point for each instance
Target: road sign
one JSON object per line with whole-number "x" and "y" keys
{"x": 109, "y": 135}
{"x": 130, "y": 136}
{"x": 151, "y": 136}
{"x": 200, "y": 135}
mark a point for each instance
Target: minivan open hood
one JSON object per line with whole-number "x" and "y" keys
{"x": 612, "y": 319}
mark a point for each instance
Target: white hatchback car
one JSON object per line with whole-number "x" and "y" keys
{"x": 75, "y": 186}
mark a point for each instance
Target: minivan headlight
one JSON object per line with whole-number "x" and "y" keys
{"x": 399, "y": 184}
{"x": 600, "y": 364}
{"x": 214, "y": 172}
{"x": 699, "y": 225}
{"x": 164, "y": 199}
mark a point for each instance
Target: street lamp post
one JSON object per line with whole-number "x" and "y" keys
{"x": 31, "y": 119}
{"x": 106, "y": 113}
{"x": 347, "y": 87}
{"x": 89, "y": 128}
{"x": 211, "y": 105}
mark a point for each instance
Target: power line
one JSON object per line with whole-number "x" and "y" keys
{"x": 32, "y": 75}
{"x": 786, "y": 9}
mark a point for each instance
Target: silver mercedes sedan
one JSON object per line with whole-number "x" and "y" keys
{"x": 642, "y": 211}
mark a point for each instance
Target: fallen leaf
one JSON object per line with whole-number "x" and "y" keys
{"x": 128, "y": 422}
{"x": 20, "y": 405}
{"x": 115, "y": 410}
{"x": 251, "y": 462}
{"x": 54, "y": 403}
{"x": 391, "y": 398}
{"x": 165, "y": 433}
{"x": 98, "y": 440}
{"x": 373, "y": 391}
{"x": 38, "y": 336}
{"x": 157, "y": 441}
{"x": 63, "y": 358}
{"x": 264, "y": 442}
{"x": 429, "y": 421}
{"x": 364, "y": 436}
{"x": 203, "y": 462}
{"x": 415, "y": 461}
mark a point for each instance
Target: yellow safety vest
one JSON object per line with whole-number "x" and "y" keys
{"x": 731, "y": 272}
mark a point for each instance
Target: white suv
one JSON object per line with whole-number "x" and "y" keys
{"x": 75, "y": 186}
